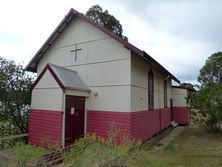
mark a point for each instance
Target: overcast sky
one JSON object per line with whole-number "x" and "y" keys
{"x": 180, "y": 34}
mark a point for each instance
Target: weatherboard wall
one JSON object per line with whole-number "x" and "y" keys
{"x": 139, "y": 86}
{"x": 181, "y": 113}
{"x": 140, "y": 125}
{"x": 103, "y": 64}
{"x": 45, "y": 127}
{"x": 179, "y": 96}
{"x": 47, "y": 95}
{"x": 45, "y": 121}
{"x": 96, "y": 47}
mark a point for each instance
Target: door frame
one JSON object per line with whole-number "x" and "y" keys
{"x": 72, "y": 93}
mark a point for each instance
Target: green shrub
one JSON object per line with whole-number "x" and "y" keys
{"x": 26, "y": 153}
{"x": 7, "y": 129}
{"x": 92, "y": 150}
{"x": 207, "y": 103}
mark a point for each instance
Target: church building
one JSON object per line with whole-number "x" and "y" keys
{"x": 88, "y": 78}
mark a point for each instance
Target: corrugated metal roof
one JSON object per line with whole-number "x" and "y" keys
{"x": 69, "y": 78}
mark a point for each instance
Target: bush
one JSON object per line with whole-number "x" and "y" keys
{"x": 15, "y": 99}
{"x": 207, "y": 103}
{"x": 7, "y": 129}
{"x": 93, "y": 150}
{"x": 208, "y": 99}
{"x": 26, "y": 153}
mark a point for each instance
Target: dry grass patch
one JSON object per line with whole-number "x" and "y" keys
{"x": 192, "y": 148}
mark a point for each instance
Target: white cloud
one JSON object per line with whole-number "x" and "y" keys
{"x": 178, "y": 34}
{"x": 17, "y": 52}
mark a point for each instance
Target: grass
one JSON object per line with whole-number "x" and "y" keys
{"x": 4, "y": 162}
{"x": 192, "y": 148}
{"x": 154, "y": 140}
{"x": 20, "y": 155}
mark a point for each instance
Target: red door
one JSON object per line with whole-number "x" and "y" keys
{"x": 74, "y": 118}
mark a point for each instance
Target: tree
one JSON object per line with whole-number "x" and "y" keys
{"x": 106, "y": 20}
{"x": 15, "y": 96}
{"x": 211, "y": 72}
{"x": 207, "y": 101}
{"x": 189, "y": 86}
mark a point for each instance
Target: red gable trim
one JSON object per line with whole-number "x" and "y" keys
{"x": 59, "y": 29}
{"x": 47, "y": 67}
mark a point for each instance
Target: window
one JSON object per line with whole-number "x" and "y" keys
{"x": 165, "y": 93}
{"x": 150, "y": 90}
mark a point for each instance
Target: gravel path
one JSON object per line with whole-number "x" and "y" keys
{"x": 9, "y": 154}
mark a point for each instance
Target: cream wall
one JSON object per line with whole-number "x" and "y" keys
{"x": 97, "y": 47}
{"x": 47, "y": 95}
{"x": 107, "y": 68}
{"x": 179, "y": 97}
{"x": 110, "y": 98}
{"x": 47, "y": 81}
{"x": 139, "y": 87}
{"x": 103, "y": 64}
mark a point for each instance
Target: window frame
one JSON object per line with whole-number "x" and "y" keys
{"x": 150, "y": 90}
{"x": 165, "y": 94}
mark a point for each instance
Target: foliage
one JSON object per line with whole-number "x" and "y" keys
{"x": 26, "y": 153}
{"x": 117, "y": 134}
{"x": 207, "y": 101}
{"x": 189, "y": 86}
{"x": 211, "y": 72}
{"x": 15, "y": 94}
{"x": 92, "y": 150}
{"x": 208, "y": 104}
{"x": 106, "y": 20}
{"x": 98, "y": 151}
{"x": 7, "y": 129}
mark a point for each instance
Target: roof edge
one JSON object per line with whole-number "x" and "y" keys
{"x": 47, "y": 67}
{"x": 160, "y": 66}
{"x": 181, "y": 87}
{"x": 64, "y": 23}
{"x": 68, "y": 17}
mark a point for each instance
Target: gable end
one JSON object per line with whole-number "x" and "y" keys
{"x": 47, "y": 67}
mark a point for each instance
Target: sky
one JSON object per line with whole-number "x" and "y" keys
{"x": 179, "y": 34}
